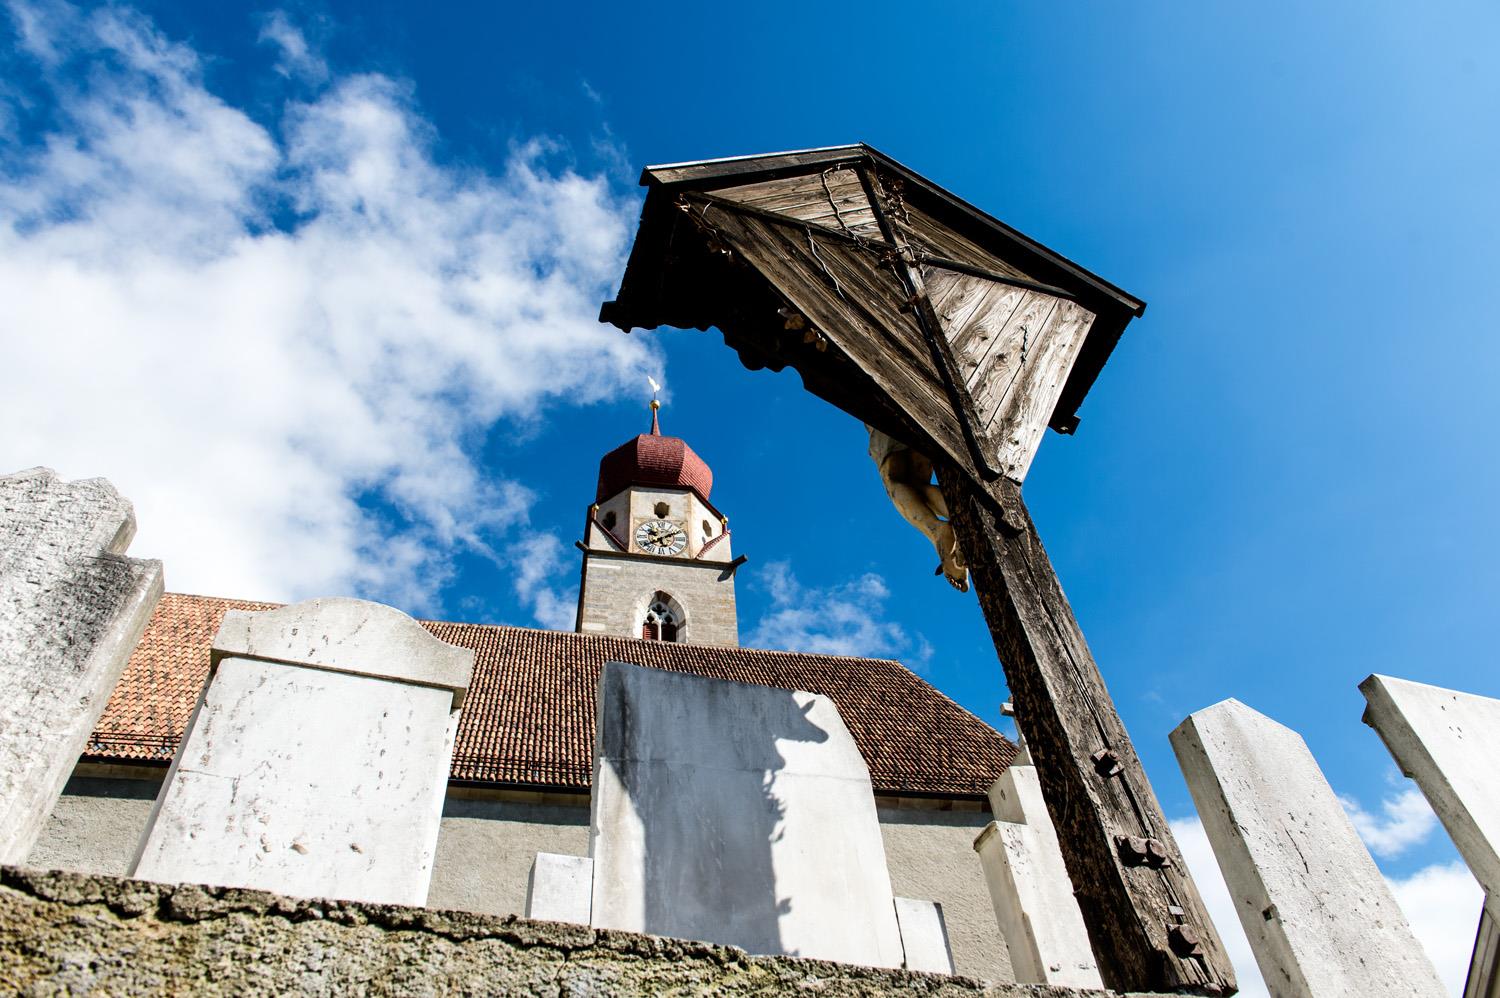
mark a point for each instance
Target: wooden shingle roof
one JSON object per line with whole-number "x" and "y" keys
{"x": 528, "y": 721}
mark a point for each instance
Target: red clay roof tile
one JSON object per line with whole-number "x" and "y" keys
{"x": 529, "y": 717}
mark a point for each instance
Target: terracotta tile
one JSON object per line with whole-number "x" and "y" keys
{"x": 529, "y": 717}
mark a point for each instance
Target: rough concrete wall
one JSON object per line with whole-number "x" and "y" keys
{"x": 64, "y": 933}
{"x": 485, "y": 849}
{"x": 95, "y": 826}
{"x": 931, "y": 856}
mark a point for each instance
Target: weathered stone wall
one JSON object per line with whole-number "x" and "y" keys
{"x": 69, "y": 934}
{"x": 618, "y": 587}
{"x": 931, "y": 856}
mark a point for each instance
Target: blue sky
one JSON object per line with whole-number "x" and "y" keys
{"x": 315, "y": 286}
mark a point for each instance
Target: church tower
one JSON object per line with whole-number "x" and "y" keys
{"x": 656, "y": 558}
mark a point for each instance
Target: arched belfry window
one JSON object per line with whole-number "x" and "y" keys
{"x": 663, "y": 619}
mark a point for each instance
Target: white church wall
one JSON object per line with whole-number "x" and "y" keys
{"x": 97, "y": 824}
{"x": 486, "y": 847}
{"x": 930, "y": 855}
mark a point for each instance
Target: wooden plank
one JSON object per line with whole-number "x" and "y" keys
{"x": 861, "y": 314}
{"x": 1014, "y": 349}
{"x": 1008, "y": 350}
{"x": 974, "y": 317}
{"x": 919, "y": 303}
{"x": 1009, "y": 363}
{"x": 995, "y": 338}
{"x": 1133, "y": 912}
{"x": 1022, "y": 416}
{"x": 927, "y": 233}
{"x": 987, "y": 229}
{"x": 943, "y": 287}
{"x": 710, "y": 169}
{"x": 834, "y": 199}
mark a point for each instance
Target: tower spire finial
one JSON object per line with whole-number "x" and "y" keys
{"x": 655, "y": 405}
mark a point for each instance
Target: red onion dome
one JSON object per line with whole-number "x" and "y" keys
{"x": 652, "y": 459}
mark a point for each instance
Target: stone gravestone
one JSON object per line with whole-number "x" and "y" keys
{"x": 317, "y": 759}
{"x": 1319, "y": 916}
{"x": 1448, "y": 742}
{"x": 924, "y": 936}
{"x": 1030, "y": 887}
{"x": 560, "y": 888}
{"x": 737, "y": 814}
{"x": 71, "y": 611}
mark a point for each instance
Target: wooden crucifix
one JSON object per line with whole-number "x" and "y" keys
{"x": 964, "y": 340}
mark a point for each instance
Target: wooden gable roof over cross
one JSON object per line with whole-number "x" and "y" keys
{"x": 896, "y": 301}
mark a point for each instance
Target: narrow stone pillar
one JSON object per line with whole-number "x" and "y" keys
{"x": 1030, "y": 888}
{"x": 1449, "y": 742}
{"x": 71, "y": 611}
{"x": 316, "y": 761}
{"x": 1320, "y": 917}
{"x": 738, "y": 814}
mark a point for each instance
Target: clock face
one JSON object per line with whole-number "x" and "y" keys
{"x": 660, "y": 537}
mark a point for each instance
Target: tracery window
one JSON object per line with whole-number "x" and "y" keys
{"x": 663, "y": 619}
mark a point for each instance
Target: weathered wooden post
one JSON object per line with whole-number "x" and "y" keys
{"x": 962, "y": 339}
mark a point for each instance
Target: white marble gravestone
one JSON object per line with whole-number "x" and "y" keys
{"x": 1320, "y": 917}
{"x": 736, "y": 814}
{"x": 72, "y": 609}
{"x": 317, "y": 759}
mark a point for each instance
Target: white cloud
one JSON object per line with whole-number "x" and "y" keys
{"x": 1192, "y": 841}
{"x": 298, "y": 59}
{"x": 286, "y": 343}
{"x": 1405, "y": 819}
{"x": 539, "y": 561}
{"x": 846, "y": 619}
{"x": 1441, "y": 902}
